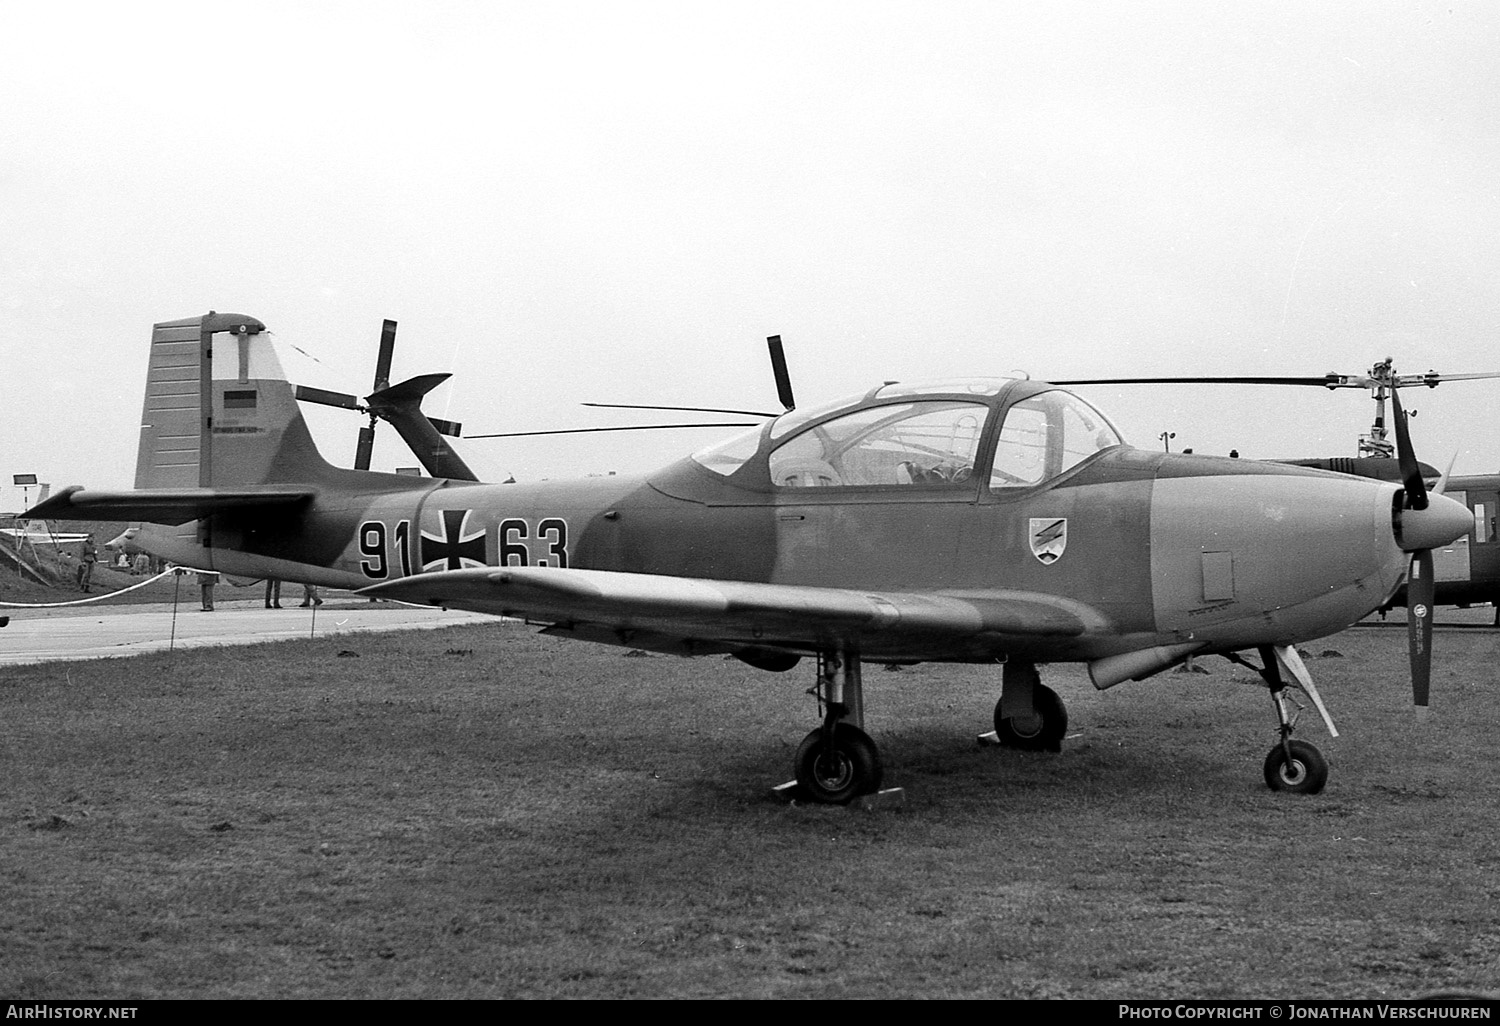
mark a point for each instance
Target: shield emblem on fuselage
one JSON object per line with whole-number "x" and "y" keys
{"x": 1049, "y": 537}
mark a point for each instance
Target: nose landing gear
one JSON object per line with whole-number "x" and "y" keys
{"x": 1294, "y": 766}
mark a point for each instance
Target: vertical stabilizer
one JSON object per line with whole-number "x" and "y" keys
{"x": 173, "y": 424}
{"x": 218, "y": 410}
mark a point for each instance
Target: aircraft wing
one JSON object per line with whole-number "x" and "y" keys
{"x": 161, "y": 505}
{"x": 736, "y": 611}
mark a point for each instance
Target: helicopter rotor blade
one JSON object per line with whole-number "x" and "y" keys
{"x": 451, "y": 428}
{"x": 778, "y": 367}
{"x": 628, "y": 427}
{"x": 322, "y": 395}
{"x": 681, "y": 409}
{"x": 365, "y": 447}
{"x": 1326, "y": 381}
{"x": 383, "y": 358}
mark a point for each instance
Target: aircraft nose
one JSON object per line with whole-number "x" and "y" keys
{"x": 1444, "y": 520}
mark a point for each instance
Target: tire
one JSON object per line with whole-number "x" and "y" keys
{"x": 1042, "y": 732}
{"x": 837, "y": 774}
{"x": 768, "y": 659}
{"x": 1305, "y": 774}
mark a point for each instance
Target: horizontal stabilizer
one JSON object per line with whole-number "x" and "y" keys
{"x": 160, "y": 506}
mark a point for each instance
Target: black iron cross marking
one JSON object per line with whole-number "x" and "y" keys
{"x": 454, "y": 547}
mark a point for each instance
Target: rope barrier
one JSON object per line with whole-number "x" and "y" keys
{"x": 105, "y": 594}
{"x": 179, "y": 570}
{"x": 100, "y": 597}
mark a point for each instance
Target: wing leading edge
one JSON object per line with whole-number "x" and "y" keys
{"x": 737, "y": 612}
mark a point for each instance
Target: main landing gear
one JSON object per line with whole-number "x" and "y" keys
{"x": 1295, "y": 766}
{"x": 1029, "y": 716}
{"x": 838, "y": 762}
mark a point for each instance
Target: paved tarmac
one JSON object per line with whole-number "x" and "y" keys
{"x": 97, "y": 631}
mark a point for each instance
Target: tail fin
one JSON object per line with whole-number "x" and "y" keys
{"x": 401, "y": 406}
{"x": 219, "y": 411}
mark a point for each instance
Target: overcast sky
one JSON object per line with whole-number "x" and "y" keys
{"x": 570, "y": 202}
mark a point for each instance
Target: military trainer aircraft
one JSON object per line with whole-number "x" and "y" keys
{"x": 993, "y": 520}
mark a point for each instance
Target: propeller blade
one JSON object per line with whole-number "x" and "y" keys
{"x": 1411, "y": 472}
{"x": 1420, "y": 589}
{"x": 1442, "y": 483}
{"x": 321, "y": 395}
{"x": 451, "y": 428}
{"x": 383, "y": 360}
{"x": 366, "y": 445}
{"x": 778, "y": 367}
{"x": 631, "y": 427}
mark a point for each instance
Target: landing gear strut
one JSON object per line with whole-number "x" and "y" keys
{"x": 838, "y": 762}
{"x": 1294, "y": 766}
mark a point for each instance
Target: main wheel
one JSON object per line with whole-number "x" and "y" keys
{"x": 838, "y": 773}
{"x": 1040, "y": 730}
{"x": 1306, "y": 773}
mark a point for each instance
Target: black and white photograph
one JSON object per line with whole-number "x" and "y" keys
{"x": 673, "y": 500}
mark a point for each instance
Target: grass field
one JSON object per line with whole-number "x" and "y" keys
{"x": 482, "y": 812}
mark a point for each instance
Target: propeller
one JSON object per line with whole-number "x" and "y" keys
{"x": 399, "y": 405}
{"x": 1422, "y": 523}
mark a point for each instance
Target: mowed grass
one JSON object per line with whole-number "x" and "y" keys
{"x": 483, "y": 812}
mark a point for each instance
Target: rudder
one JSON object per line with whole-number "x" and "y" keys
{"x": 218, "y": 409}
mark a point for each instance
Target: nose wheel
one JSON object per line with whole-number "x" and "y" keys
{"x": 1296, "y": 766}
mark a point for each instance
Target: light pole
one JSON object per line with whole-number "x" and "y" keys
{"x": 1166, "y": 440}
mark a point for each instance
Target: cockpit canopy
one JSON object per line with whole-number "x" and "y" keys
{"x": 1007, "y": 432}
